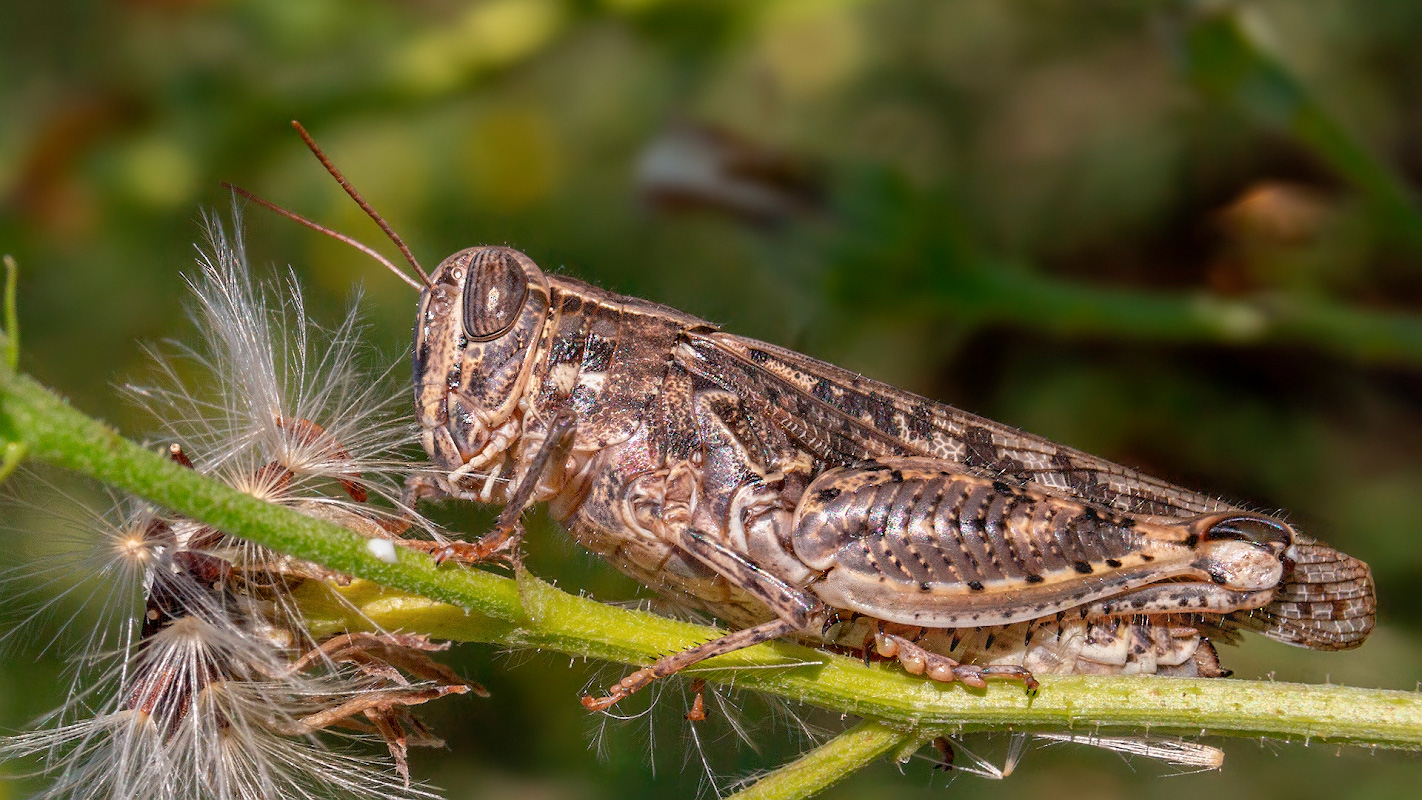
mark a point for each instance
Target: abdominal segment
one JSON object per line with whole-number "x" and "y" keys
{"x": 1111, "y": 646}
{"x": 913, "y": 543}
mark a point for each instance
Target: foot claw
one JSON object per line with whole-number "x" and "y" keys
{"x": 918, "y": 661}
{"x": 498, "y": 547}
{"x": 599, "y": 703}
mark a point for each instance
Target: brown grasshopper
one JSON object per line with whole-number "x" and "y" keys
{"x": 790, "y": 497}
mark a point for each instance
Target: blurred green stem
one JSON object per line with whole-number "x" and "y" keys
{"x": 828, "y": 764}
{"x": 1000, "y": 292}
{"x": 11, "y": 333}
{"x": 414, "y": 594}
{"x": 1227, "y": 63}
{"x": 12, "y": 451}
{"x": 10, "y": 457}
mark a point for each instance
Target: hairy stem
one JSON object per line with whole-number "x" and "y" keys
{"x": 54, "y": 432}
{"x": 11, "y": 452}
{"x": 583, "y": 627}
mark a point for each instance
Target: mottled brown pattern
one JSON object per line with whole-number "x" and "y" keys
{"x": 785, "y": 494}
{"x": 901, "y": 423}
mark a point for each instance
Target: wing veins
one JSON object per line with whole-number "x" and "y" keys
{"x": 926, "y": 428}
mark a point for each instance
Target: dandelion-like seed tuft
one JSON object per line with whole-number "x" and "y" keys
{"x": 201, "y": 679}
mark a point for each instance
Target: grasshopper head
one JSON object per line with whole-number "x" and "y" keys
{"x": 480, "y": 322}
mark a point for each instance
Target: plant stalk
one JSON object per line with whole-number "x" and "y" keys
{"x": 827, "y": 764}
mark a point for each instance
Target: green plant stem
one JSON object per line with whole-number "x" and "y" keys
{"x": 1225, "y": 61}
{"x": 828, "y": 764}
{"x": 994, "y": 292}
{"x": 11, "y": 452}
{"x": 11, "y": 455}
{"x": 582, "y": 627}
{"x": 469, "y": 605}
{"x": 56, "y": 433}
{"x": 11, "y": 337}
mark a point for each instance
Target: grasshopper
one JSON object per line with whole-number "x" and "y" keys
{"x": 791, "y": 498}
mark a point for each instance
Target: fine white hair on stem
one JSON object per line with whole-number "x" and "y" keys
{"x": 1177, "y": 752}
{"x": 1183, "y": 755}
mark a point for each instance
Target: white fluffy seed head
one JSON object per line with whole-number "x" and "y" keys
{"x": 280, "y": 407}
{"x": 206, "y": 710}
{"x": 201, "y": 694}
{"x": 271, "y": 401}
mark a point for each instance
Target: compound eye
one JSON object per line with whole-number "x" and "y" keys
{"x": 1251, "y": 528}
{"x": 493, "y": 294}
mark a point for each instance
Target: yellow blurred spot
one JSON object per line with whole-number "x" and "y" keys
{"x": 1235, "y": 321}
{"x": 159, "y": 172}
{"x": 388, "y": 162}
{"x": 487, "y": 35}
{"x": 512, "y": 160}
{"x": 506, "y": 30}
{"x": 811, "y": 48}
{"x": 630, "y": 5}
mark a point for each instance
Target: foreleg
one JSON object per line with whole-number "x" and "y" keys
{"x": 508, "y": 529}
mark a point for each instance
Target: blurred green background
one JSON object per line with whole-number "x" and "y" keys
{"x": 1181, "y": 235}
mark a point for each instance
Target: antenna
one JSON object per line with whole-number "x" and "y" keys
{"x": 340, "y": 237}
{"x": 360, "y": 201}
